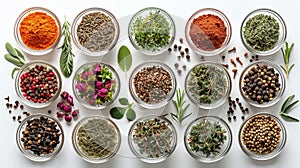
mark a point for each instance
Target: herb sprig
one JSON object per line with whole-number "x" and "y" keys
{"x": 180, "y": 108}
{"x": 286, "y": 57}
{"x": 118, "y": 112}
{"x": 66, "y": 56}
{"x": 286, "y": 107}
{"x": 15, "y": 57}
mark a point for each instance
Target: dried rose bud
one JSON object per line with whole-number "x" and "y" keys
{"x": 64, "y": 95}
{"x": 59, "y": 114}
{"x": 70, "y": 100}
{"x": 61, "y": 105}
{"x": 75, "y": 113}
{"x": 67, "y": 108}
{"x": 68, "y": 117}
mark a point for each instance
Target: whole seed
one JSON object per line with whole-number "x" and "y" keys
{"x": 152, "y": 84}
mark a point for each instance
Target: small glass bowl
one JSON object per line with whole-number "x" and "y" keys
{"x": 18, "y": 37}
{"x": 101, "y": 125}
{"x": 167, "y": 137}
{"x": 93, "y": 93}
{"x": 30, "y": 154}
{"x": 151, "y": 95}
{"x": 35, "y": 84}
{"x": 142, "y": 14}
{"x": 281, "y": 81}
{"x": 203, "y": 120}
{"x": 282, "y": 31}
{"x": 278, "y": 148}
{"x": 216, "y": 50}
{"x": 86, "y": 46}
{"x": 193, "y": 88}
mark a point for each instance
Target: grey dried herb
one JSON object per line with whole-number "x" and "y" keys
{"x": 207, "y": 137}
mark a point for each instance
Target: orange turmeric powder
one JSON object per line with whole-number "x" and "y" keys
{"x": 38, "y": 31}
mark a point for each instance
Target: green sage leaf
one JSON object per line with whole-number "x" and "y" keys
{"x": 124, "y": 58}
{"x": 289, "y": 107}
{"x": 130, "y": 114}
{"x": 288, "y": 117}
{"x": 11, "y": 50}
{"x": 20, "y": 54}
{"x": 124, "y": 101}
{"x": 13, "y": 72}
{"x": 286, "y": 102}
{"x": 117, "y": 112}
{"x": 13, "y": 60}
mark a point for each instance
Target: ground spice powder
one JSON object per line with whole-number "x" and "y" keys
{"x": 208, "y": 32}
{"x": 38, "y": 31}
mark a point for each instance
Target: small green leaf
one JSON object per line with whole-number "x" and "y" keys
{"x": 117, "y": 112}
{"x": 291, "y": 67}
{"x": 20, "y": 54}
{"x": 11, "y": 50}
{"x": 124, "y": 58}
{"x": 124, "y": 101}
{"x": 289, "y": 107}
{"x": 13, "y": 72}
{"x": 130, "y": 114}
{"x": 286, "y": 102}
{"x": 289, "y": 118}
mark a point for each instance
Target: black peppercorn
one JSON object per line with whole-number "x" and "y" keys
{"x": 242, "y": 117}
{"x": 175, "y": 46}
{"x": 182, "y": 53}
{"x": 186, "y": 50}
{"x": 223, "y": 56}
{"x": 181, "y": 40}
{"x": 179, "y": 48}
{"x": 188, "y": 57}
{"x": 234, "y": 117}
{"x": 169, "y": 49}
{"x": 229, "y": 118}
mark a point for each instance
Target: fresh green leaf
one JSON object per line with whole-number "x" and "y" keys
{"x": 117, "y": 112}
{"x": 291, "y": 67}
{"x": 20, "y": 54}
{"x": 289, "y": 107}
{"x": 124, "y": 58}
{"x": 11, "y": 50}
{"x": 124, "y": 101}
{"x": 130, "y": 114}
{"x": 288, "y": 117}
{"x": 13, "y": 72}
{"x": 180, "y": 108}
{"x": 283, "y": 68}
{"x": 13, "y": 60}
{"x": 286, "y": 102}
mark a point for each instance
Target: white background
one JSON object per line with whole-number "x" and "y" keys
{"x": 10, "y": 156}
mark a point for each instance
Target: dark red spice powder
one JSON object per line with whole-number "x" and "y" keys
{"x": 208, "y": 32}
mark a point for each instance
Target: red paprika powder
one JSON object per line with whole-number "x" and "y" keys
{"x": 208, "y": 32}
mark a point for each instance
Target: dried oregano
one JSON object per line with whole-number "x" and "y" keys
{"x": 261, "y": 32}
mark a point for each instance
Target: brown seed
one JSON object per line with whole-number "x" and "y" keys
{"x": 181, "y": 40}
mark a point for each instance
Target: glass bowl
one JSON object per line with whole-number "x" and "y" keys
{"x": 152, "y": 84}
{"x": 253, "y": 47}
{"x": 254, "y": 83}
{"x": 96, "y": 139}
{"x": 200, "y": 135}
{"x": 37, "y": 43}
{"x": 38, "y": 84}
{"x": 263, "y": 150}
{"x": 33, "y": 138}
{"x": 151, "y": 31}
{"x": 95, "y": 31}
{"x": 208, "y": 46}
{"x": 208, "y": 90}
{"x": 96, "y": 85}
{"x": 152, "y": 139}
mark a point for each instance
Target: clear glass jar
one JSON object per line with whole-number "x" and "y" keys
{"x": 276, "y": 95}
{"x": 94, "y": 92}
{"x": 165, "y": 37}
{"x": 208, "y": 12}
{"x": 207, "y": 127}
{"x": 89, "y": 42}
{"x": 282, "y": 31}
{"x": 155, "y": 96}
{"x": 217, "y": 81}
{"x": 43, "y": 50}
{"x": 100, "y": 131}
{"x": 263, "y": 156}
{"x": 161, "y": 133}
{"x": 36, "y": 90}
{"x": 28, "y": 153}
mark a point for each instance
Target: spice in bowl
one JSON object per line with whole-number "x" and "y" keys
{"x": 96, "y": 139}
{"x": 208, "y": 84}
{"x": 96, "y": 85}
{"x": 37, "y": 30}
{"x": 152, "y": 139}
{"x": 152, "y": 83}
{"x": 151, "y": 30}
{"x": 40, "y": 137}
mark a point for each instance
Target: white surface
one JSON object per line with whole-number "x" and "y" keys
{"x": 10, "y": 156}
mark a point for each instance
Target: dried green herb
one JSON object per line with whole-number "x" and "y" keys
{"x": 124, "y": 58}
{"x": 207, "y": 137}
{"x": 180, "y": 108}
{"x": 66, "y": 56}
{"x": 261, "y": 32}
{"x": 118, "y": 112}
{"x": 15, "y": 57}
{"x": 286, "y": 107}
{"x": 151, "y": 32}
{"x": 286, "y": 57}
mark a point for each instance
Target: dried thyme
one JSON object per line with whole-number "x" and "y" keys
{"x": 207, "y": 137}
{"x": 261, "y": 32}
